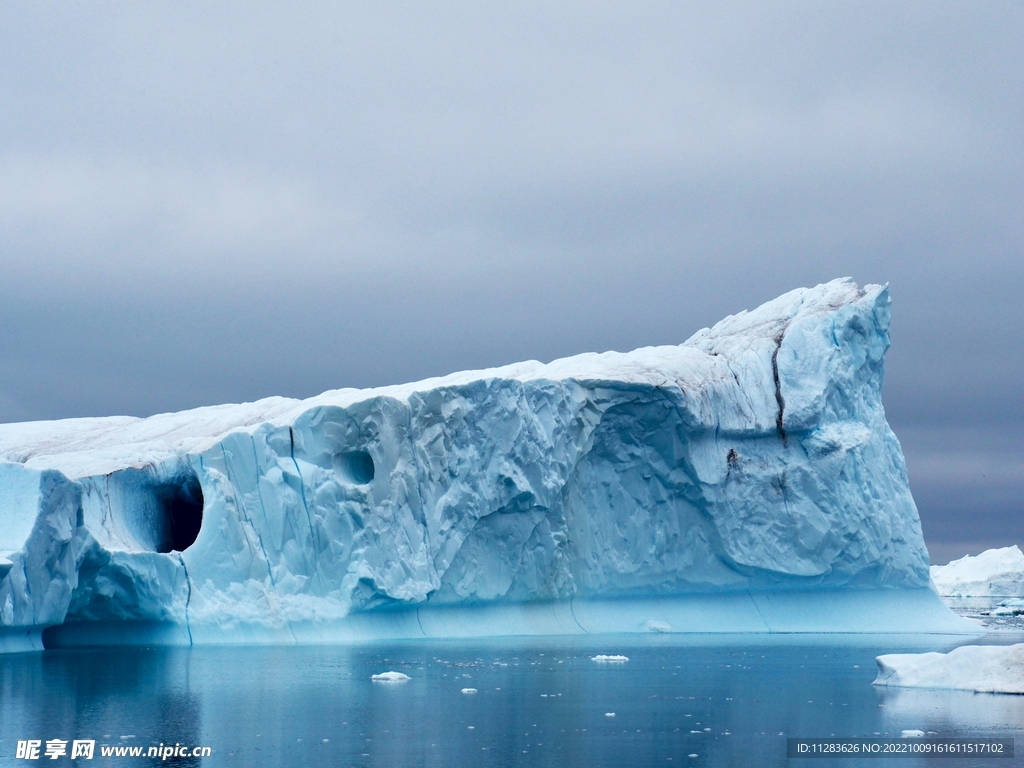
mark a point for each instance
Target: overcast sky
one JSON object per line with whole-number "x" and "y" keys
{"x": 216, "y": 202}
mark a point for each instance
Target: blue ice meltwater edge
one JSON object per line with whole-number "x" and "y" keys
{"x": 726, "y": 700}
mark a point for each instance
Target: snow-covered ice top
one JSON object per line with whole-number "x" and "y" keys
{"x": 701, "y": 365}
{"x": 993, "y": 573}
{"x": 981, "y": 668}
{"x": 754, "y": 457}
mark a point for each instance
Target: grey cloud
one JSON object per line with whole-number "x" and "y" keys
{"x": 203, "y": 203}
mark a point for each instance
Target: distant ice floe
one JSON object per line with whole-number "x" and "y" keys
{"x": 469, "y": 690}
{"x": 979, "y": 668}
{"x": 603, "y": 659}
{"x": 390, "y": 677}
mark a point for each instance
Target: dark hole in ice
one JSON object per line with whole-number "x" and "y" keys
{"x": 182, "y": 505}
{"x": 355, "y": 466}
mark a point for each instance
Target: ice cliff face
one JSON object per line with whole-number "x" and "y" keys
{"x": 752, "y": 459}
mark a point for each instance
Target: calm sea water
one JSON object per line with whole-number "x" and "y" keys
{"x": 539, "y": 702}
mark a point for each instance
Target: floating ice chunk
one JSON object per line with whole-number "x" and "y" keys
{"x": 390, "y": 677}
{"x": 603, "y": 659}
{"x": 1003, "y": 610}
{"x": 1011, "y": 607}
{"x": 980, "y": 668}
{"x": 911, "y": 733}
{"x": 609, "y": 714}
{"x": 469, "y": 690}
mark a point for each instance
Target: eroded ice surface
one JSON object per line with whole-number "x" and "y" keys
{"x": 993, "y": 573}
{"x": 980, "y": 668}
{"x": 743, "y": 481}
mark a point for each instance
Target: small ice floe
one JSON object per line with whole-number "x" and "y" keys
{"x": 979, "y": 668}
{"x": 390, "y": 677}
{"x": 911, "y": 733}
{"x": 469, "y": 690}
{"x": 603, "y": 659}
{"x": 1007, "y": 608}
{"x": 609, "y": 714}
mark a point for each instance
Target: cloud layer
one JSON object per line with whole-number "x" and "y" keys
{"x": 203, "y": 204}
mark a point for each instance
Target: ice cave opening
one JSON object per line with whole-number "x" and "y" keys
{"x": 355, "y": 466}
{"x": 182, "y": 505}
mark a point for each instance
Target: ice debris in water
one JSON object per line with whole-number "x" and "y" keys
{"x": 603, "y": 659}
{"x": 911, "y": 733}
{"x": 980, "y": 668}
{"x": 390, "y": 677}
{"x": 609, "y": 714}
{"x": 1011, "y": 607}
{"x": 469, "y": 690}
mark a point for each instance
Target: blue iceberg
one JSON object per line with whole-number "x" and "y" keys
{"x": 743, "y": 481}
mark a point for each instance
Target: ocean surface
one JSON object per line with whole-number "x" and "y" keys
{"x": 679, "y": 700}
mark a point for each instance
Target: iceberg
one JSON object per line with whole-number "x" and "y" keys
{"x": 995, "y": 573}
{"x": 745, "y": 480}
{"x": 979, "y": 668}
